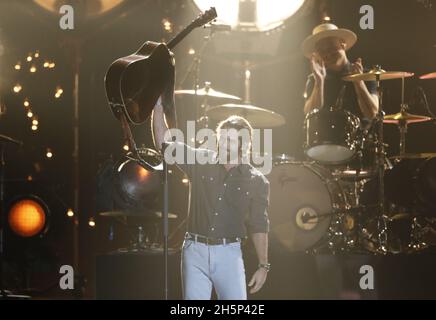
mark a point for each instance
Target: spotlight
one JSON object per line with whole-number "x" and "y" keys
{"x": 33, "y": 69}
{"x": 51, "y": 65}
{"x": 191, "y": 51}
{"x": 46, "y": 64}
{"x": 36, "y": 54}
{"x": 34, "y": 127}
{"x": 29, "y": 114}
{"x": 252, "y": 15}
{"x": 70, "y": 213}
{"x": 35, "y": 121}
{"x": 18, "y": 66}
{"x": 185, "y": 180}
{"x": 28, "y": 217}
{"x": 29, "y": 58}
{"x": 126, "y": 147}
{"x": 26, "y": 103}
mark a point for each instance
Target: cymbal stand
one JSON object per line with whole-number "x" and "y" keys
{"x": 382, "y": 222}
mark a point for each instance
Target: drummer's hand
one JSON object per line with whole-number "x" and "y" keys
{"x": 318, "y": 68}
{"x": 357, "y": 66}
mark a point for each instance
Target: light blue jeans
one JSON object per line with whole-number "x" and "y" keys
{"x": 219, "y": 266}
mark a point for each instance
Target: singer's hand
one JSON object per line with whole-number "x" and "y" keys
{"x": 356, "y": 67}
{"x": 318, "y": 68}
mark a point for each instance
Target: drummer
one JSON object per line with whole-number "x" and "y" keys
{"x": 326, "y": 48}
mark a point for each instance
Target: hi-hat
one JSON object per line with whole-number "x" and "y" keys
{"x": 404, "y": 117}
{"x": 428, "y": 76}
{"x": 258, "y": 117}
{"x": 381, "y": 74}
{"x": 207, "y": 92}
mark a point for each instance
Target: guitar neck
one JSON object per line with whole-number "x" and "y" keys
{"x": 179, "y": 37}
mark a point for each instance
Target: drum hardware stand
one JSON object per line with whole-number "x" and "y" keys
{"x": 382, "y": 223}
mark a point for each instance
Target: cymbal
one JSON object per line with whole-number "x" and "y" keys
{"x": 428, "y": 76}
{"x": 403, "y": 116}
{"x": 207, "y": 92}
{"x": 383, "y": 75}
{"x": 258, "y": 117}
{"x": 140, "y": 214}
{"x": 414, "y": 156}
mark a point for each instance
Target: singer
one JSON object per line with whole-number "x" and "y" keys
{"x": 326, "y": 48}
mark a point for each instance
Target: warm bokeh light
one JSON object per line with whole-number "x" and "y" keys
{"x": 36, "y": 54}
{"x": 29, "y": 58}
{"x": 167, "y": 25}
{"x": 49, "y": 153}
{"x": 91, "y": 222}
{"x": 29, "y": 114}
{"x": 70, "y": 213}
{"x": 35, "y": 122}
{"x": 185, "y": 180}
{"x": 17, "y": 88}
{"x": 34, "y": 127}
{"x": 191, "y": 51}
{"x": 18, "y": 66}
{"x": 27, "y": 218}
{"x": 46, "y": 64}
{"x": 126, "y": 147}
{"x": 26, "y": 103}
{"x": 33, "y": 69}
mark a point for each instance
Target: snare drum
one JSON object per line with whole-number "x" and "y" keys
{"x": 331, "y": 135}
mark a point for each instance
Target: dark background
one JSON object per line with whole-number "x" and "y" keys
{"x": 403, "y": 39}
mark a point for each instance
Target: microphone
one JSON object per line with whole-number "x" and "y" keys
{"x": 218, "y": 27}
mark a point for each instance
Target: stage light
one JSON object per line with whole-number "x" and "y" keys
{"x": 126, "y": 147}
{"x": 51, "y": 65}
{"x": 29, "y": 114}
{"x": 185, "y": 180}
{"x": 327, "y": 19}
{"x": 34, "y": 127}
{"x": 70, "y": 213}
{"x": 46, "y": 64}
{"x": 36, "y": 54}
{"x": 191, "y": 51}
{"x": 26, "y": 103}
{"x": 252, "y": 15}
{"x": 29, "y": 178}
{"x": 33, "y": 69}
{"x": 35, "y": 122}
{"x": 17, "y": 88}
{"x": 28, "y": 217}
{"x": 91, "y": 222}
{"x": 18, "y": 66}
{"x": 29, "y": 58}
{"x": 87, "y": 8}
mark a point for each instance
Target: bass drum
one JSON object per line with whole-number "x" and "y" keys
{"x": 304, "y": 200}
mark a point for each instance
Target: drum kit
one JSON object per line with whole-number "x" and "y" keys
{"x": 347, "y": 195}
{"x": 350, "y": 196}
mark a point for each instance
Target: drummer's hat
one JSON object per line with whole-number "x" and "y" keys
{"x": 326, "y": 30}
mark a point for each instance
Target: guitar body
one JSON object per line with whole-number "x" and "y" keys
{"x": 134, "y": 83}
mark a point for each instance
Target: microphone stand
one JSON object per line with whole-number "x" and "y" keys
{"x": 165, "y": 218}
